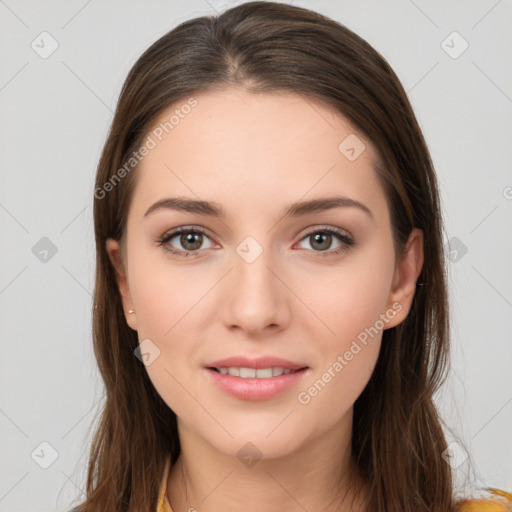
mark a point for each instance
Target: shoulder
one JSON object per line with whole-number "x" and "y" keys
{"x": 500, "y": 501}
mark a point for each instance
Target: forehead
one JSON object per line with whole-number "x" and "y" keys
{"x": 237, "y": 146}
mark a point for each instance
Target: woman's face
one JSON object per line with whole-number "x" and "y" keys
{"x": 258, "y": 282}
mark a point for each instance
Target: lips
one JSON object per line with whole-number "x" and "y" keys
{"x": 260, "y": 378}
{"x": 255, "y": 389}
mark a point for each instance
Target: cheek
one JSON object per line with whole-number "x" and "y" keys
{"x": 169, "y": 309}
{"x": 350, "y": 298}
{"x": 166, "y": 294}
{"x": 348, "y": 344}
{"x": 164, "y": 314}
{"x": 335, "y": 387}
{"x": 349, "y": 301}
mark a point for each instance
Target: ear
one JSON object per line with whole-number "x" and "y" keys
{"x": 114, "y": 253}
{"x": 406, "y": 274}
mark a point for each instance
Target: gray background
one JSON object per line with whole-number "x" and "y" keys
{"x": 55, "y": 112}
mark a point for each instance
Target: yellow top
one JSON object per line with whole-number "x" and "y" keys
{"x": 501, "y": 501}
{"x": 163, "y": 504}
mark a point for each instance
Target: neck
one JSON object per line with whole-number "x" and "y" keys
{"x": 319, "y": 476}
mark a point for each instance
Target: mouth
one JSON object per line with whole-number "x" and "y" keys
{"x": 256, "y": 384}
{"x": 253, "y": 373}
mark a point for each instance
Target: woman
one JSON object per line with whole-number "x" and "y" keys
{"x": 271, "y": 317}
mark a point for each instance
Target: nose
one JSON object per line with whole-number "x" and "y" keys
{"x": 255, "y": 299}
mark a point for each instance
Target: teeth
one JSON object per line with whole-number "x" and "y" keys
{"x": 247, "y": 373}
{"x": 251, "y": 373}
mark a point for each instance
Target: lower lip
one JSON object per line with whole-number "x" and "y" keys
{"x": 253, "y": 388}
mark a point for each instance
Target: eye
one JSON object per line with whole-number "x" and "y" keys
{"x": 190, "y": 239}
{"x": 321, "y": 240}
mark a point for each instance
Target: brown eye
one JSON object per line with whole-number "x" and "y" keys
{"x": 187, "y": 241}
{"x": 191, "y": 241}
{"x": 322, "y": 239}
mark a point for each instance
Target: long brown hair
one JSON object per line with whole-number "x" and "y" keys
{"x": 397, "y": 439}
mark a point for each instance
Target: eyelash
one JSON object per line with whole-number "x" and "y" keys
{"x": 344, "y": 239}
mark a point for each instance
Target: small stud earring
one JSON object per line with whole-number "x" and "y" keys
{"x": 131, "y": 311}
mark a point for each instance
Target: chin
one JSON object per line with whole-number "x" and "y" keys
{"x": 249, "y": 448}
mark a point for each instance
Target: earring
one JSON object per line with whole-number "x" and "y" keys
{"x": 131, "y": 311}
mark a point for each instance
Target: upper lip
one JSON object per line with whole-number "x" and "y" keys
{"x": 256, "y": 363}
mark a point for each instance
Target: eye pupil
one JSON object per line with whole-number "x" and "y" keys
{"x": 189, "y": 237}
{"x": 327, "y": 237}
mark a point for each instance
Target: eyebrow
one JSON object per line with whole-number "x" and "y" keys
{"x": 299, "y": 209}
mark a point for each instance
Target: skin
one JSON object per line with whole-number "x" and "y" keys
{"x": 255, "y": 154}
